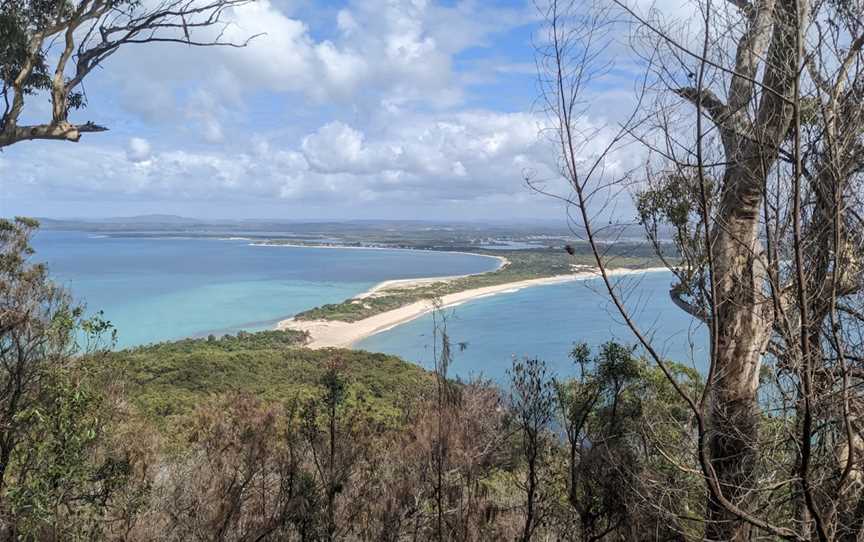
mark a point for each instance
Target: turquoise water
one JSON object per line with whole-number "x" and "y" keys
{"x": 544, "y": 322}
{"x": 156, "y": 289}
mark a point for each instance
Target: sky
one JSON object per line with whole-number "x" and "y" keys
{"x": 361, "y": 109}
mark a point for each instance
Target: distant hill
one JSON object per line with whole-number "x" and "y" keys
{"x": 162, "y": 219}
{"x": 151, "y": 219}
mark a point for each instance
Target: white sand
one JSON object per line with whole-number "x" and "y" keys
{"x": 397, "y": 284}
{"x": 332, "y": 333}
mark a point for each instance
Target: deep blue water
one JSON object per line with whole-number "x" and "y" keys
{"x": 156, "y": 289}
{"x": 544, "y": 322}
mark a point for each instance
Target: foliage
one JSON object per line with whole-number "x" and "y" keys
{"x": 51, "y": 481}
{"x": 59, "y": 483}
{"x": 617, "y": 416}
{"x": 16, "y": 18}
{"x": 167, "y": 381}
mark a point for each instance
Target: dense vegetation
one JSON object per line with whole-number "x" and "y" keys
{"x": 521, "y": 265}
{"x": 169, "y": 380}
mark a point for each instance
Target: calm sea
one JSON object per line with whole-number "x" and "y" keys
{"x": 156, "y": 289}
{"x": 544, "y": 322}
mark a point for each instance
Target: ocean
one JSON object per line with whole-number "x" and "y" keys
{"x": 155, "y": 289}
{"x": 163, "y": 288}
{"x": 545, "y": 322}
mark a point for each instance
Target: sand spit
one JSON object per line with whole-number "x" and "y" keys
{"x": 333, "y": 333}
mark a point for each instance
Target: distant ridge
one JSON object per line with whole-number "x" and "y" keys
{"x": 152, "y": 219}
{"x": 137, "y": 219}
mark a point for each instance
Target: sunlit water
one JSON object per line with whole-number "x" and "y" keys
{"x": 544, "y": 322}
{"x": 156, "y": 289}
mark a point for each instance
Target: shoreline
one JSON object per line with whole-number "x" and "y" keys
{"x": 504, "y": 261}
{"x": 338, "y": 334}
{"x": 406, "y": 283}
{"x": 411, "y": 283}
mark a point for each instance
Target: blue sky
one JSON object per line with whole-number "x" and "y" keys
{"x": 358, "y": 109}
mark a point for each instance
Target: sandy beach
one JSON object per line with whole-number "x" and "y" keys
{"x": 332, "y": 333}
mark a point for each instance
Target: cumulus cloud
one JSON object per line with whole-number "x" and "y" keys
{"x": 286, "y": 58}
{"x": 482, "y": 145}
{"x": 138, "y": 150}
{"x": 382, "y": 51}
{"x": 458, "y": 157}
{"x": 372, "y": 110}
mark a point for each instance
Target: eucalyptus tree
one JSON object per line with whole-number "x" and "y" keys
{"x": 750, "y": 117}
{"x": 51, "y": 46}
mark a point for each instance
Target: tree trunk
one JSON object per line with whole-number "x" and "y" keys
{"x": 742, "y": 332}
{"x": 744, "y": 320}
{"x": 528, "y": 529}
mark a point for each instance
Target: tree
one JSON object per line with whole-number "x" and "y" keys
{"x": 83, "y": 34}
{"x": 340, "y": 447}
{"x": 621, "y": 421}
{"x": 592, "y": 410}
{"x": 445, "y": 404}
{"x": 51, "y": 482}
{"x": 36, "y": 326}
{"x": 62, "y": 479}
{"x": 332, "y": 464}
{"x": 753, "y": 157}
{"x": 244, "y": 478}
{"x": 532, "y": 403}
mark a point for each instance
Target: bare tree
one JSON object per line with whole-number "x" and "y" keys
{"x": 53, "y": 46}
{"x": 445, "y": 399}
{"x": 752, "y": 148}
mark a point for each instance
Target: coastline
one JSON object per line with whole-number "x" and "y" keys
{"x": 411, "y": 283}
{"x": 399, "y": 283}
{"x": 338, "y": 334}
{"x": 504, "y": 261}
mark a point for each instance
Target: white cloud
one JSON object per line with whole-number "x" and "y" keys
{"x": 139, "y": 150}
{"x": 371, "y": 109}
{"x": 432, "y": 156}
{"x": 205, "y": 111}
{"x": 383, "y": 51}
{"x": 465, "y": 156}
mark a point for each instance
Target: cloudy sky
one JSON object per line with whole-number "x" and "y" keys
{"x": 358, "y": 109}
